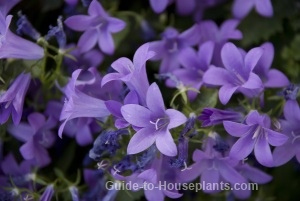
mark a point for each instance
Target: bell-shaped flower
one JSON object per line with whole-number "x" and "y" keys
{"x": 255, "y": 134}
{"x": 155, "y": 122}
{"x": 12, "y": 101}
{"x": 237, "y": 74}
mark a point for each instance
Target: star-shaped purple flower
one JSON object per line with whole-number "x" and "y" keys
{"x": 12, "y": 101}
{"x": 255, "y": 134}
{"x": 37, "y": 137}
{"x": 291, "y": 128}
{"x": 97, "y": 27}
{"x": 155, "y": 122}
{"x": 237, "y": 74}
{"x": 241, "y": 8}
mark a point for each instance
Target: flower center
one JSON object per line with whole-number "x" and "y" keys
{"x": 257, "y": 132}
{"x": 295, "y": 137}
{"x": 44, "y": 139}
{"x": 160, "y": 123}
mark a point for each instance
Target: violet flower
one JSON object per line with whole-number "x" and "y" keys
{"x": 132, "y": 73}
{"x": 213, "y": 165}
{"x": 213, "y": 116}
{"x": 255, "y": 134}
{"x": 291, "y": 128}
{"x": 36, "y": 136}
{"x": 237, "y": 74}
{"x": 270, "y": 77}
{"x": 241, "y": 8}
{"x": 97, "y": 27}
{"x": 183, "y": 7}
{"x": 48, "y": 193}
{"x": 155, "y": 122}
{"x": 172, "y": 46}
{"x": 195, "y": 65}
{"x": 13, "y": 46}
{"x": 12, "y": 101}
{"x": 209, "y": 31}
{"x": 7, "y": 5}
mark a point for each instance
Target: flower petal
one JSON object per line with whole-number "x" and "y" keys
{"x": 226, "y": 92}
{"x": 275, "y": 138}
{"x": 88, "y": 40}
{"x": 263, "y": 153}
{"x": 158, "y": 5}
{"x": 264, "y": 7}
{"x": 241, "y": 8}
{"x": 155, "y": 100}
{"x": 242, "y": 148}
{"x": 232, "y": 58}
{"x": 165, "y": 143}
{"x": 253, "y": 82}
{"x": 106, "y": 42}
{"x": 283, "y": 154}
{"x": 210, "y": 177}
{"x": 176, "y": 118}
{"x": 236, "y": 129}
{"x": 276, "y": 79}
{"x": 78, "y": 22}
{"x": 216, "y": 76}
{"x": 141, "y": 140}
{"x": 252, "y": 57}
{"x": 136, "y": 115}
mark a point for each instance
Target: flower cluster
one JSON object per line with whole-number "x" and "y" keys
{"x": 160, "y": 97}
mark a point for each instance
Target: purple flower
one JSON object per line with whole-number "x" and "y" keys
{"x": 74, "y": 193}
{"x": 213, "y": 116}
{"x": 241, "y": 8}
{"x": 12, "y": 101}
{"x": 79, "y": 104}
{"x": 195, "y": 64}
{"x": 132, "y": 73}
{"x": 48, "y": 193}
{"x": 154, "y": 122}
{"x": 209, "y": 31}
{"x": 212, "y": 165}
{"x": 237, "y": 74}
{"x": 291, "y": 128}
{"x": 270, "y": 77}
{"x": 26, "y": 28}
{"x": 255, "y": 134}
{"x": 7, "y": 5}
{"x": 13, "y": 46}
{"x": 97, "y": 27}
{"x": 37, "y": 137}
{"x": 159, "y": 5}
{"x": 183, "y": 7}
{"x": 171, "y": 47}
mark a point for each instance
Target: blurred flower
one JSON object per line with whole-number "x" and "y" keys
{"x": 12, "y": 101}
{"x": 48, "y": 193}
{"x": 97, "y": 27}
{"x": 241, "y": 8}
{"x": 26, "y": 28}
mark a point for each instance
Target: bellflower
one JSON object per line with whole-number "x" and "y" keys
{"x": 12, "y": 101}
{"x": 48, "y": 193}
{"x": 209, "y": 31}
{"x": 79, "y": 104}
{"x": 213, "y": 165}
{"x": 291, "y": 128}
{"x": 255, "y": 134}
{"x": 290, "y": 92}
{"x": 241, "y": 8}
{"x": 26, "y": 28}
{"x": 195, "y": 64}
{"x": 132, "y": 73}
{"x": 97, "y": 27}
{"x": 171, "y": 47}
{"x": 270, "y": 77}
{"x": 183, "y": 7}
{"x": 213, "y": 116}
{"x": 36, "y": 136}
{"x": 155, "y": 122}
{"x": 13, "y": 46}
{"x": 237, "y": 74}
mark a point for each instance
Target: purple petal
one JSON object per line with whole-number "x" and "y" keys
{"x": 115, "y": 25}
{"x": 253, "y": 82}
{"x": 266, "y": 59}
{"x": 228, "y": 30}
{"x": 226, "y": 92}
{"x": 232, "y": 58}
{"x": 155, "y": 100}
{"x": 142, "y": 54}
{"x": 210, "y": 176}
{"x": 149, "y": 175}
{"x": 172, "y": 194}
{"x": 199, "y": 155}
{"x": 88, "y": 40}
{"x": 263, "y": 153}
{"x": 158, "y": 5}
{"x": 78, "y": 22}
{"x": 241, "y": 8}
{"x": 264, "y": 7}
{"x": 176, "y": 118}
{"x": 256, "y": 175}
{"x": 9, "y": 165}
{"x": 275, "y": 138}
{"x": 243, "y": 147}
{"x": 110, "y": 77}
{"x": 84, "y": 136}
{"x": 292, "y": 111}
{"x": 154, "y": 194}
{"x": 252, "y": 57}
{"x": 36, "y": 121}
{"x": 114, "y": 107}
{"x": 188, "y": 58}
{"x": 106, "y": 42}
{"x": 229, "y": 173}
{"x": 277, "y": 79}
{"x": 192, "y": 172}
{"x": 96, "y": 9}
{"x": 236, "y": 129}
{"x": 216, "y": 76}
{"x": 123, "y": 65}
{"x": 22, "y": 132}
{"x": 191, "y": 36}
{"x": 185, "y": 7}
{"x": 141, "y": 140}
{"x": 253, "y": 117}
{"x": 165, "y": 143}
{"x": 205, "y": 54}
{"x": 136, "y": 115}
